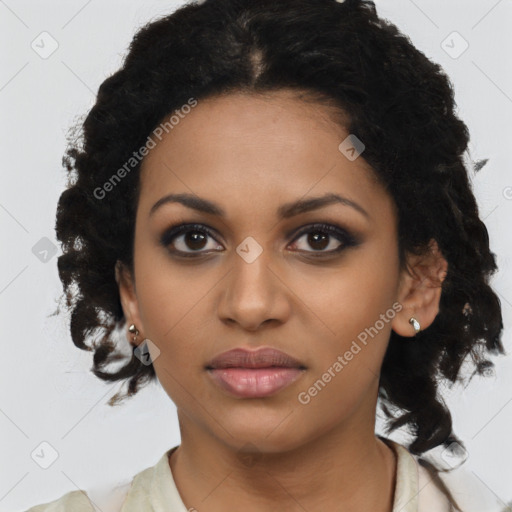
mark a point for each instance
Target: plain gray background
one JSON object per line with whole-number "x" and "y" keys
{"x": 48, "y": 394}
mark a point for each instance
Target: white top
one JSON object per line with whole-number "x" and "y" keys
{"x": 154, "y": 490}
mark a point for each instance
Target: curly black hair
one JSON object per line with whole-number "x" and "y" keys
{"x": 394, "y": 99}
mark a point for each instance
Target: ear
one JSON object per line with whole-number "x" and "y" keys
{"x": 128, "y": 297}
{"x": 419, "y": 290}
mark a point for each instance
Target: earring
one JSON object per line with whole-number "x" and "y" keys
{"x": 415, "y": 324}
{"x": 135, "y": 333}
{"x": 141, "y": 351}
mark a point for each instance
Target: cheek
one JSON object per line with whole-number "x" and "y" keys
{"x": 352, "y": 297}
{"x": 353, "y": 315}
{"x": 176, "y": 311}
{"x": 175, "y": 324}
{"x": 171, "y": 313}
{"x": 168, "y": 294}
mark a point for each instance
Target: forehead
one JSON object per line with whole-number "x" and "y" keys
{"x": 259, "y": 147}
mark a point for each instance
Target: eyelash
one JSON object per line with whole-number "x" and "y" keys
{"x": 346, "y": 238}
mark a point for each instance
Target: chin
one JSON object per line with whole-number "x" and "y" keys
{"x": 263, "y": 436}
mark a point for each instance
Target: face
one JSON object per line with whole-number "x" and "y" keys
{"x": 318, "y": 283}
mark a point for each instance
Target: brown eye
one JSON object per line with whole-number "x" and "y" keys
{"x": 318, "y": 241}
{"x": 194, "y": 240}
{"x": 320, "y": 237}
{"x": 188, "y": 239}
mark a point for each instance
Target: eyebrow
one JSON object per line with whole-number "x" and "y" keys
{"x": 285, "y": 211}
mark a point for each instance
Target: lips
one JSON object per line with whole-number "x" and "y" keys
{"x": 261, "y": 358}
{"x": 261, "y": 373}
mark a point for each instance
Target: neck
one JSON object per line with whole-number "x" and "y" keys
{"x": 348, "y": 468}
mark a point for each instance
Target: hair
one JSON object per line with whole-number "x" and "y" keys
{"x": 395, "y": 100}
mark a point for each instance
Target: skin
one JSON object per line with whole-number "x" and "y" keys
{"x": 250, "y": 155}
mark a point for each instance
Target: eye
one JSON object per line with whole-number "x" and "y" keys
{"x": 189, "y": 236}
{"x": 191, "y": 240}
{"x": 320, "y": 237}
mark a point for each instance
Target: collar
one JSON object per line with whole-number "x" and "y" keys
{"x": 159, "y": 488}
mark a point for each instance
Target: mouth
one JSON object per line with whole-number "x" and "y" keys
{"x": 261, "y": 358}
{"x": 254, "y": 374}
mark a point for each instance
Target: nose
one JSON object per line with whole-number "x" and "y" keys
{"x": 253, "y": 293}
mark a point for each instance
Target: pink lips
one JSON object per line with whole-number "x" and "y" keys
{"x": 254, "y": 374}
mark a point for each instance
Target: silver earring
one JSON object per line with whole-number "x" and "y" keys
{"x": 135, "y": 333}
{"x": 416, "y": 325}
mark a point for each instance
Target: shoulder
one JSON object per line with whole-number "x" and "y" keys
{"x": 425, "y": 489}
{"x": 106, "y": 499}
{"x": 134, "y": 495}
{"x": 467, "y": 489}
{"x": 74, "y": 500}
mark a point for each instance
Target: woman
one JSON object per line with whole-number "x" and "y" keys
{"x": 271, "y": 201}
